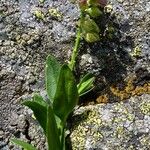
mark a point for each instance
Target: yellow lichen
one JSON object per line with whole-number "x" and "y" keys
{"x": 130, "y": 90}
{"x": 145, "y": 140}
{"x": 93, "y": 118}
{"x": 82, "y": 132}
{"x": 130, "y": 117}
{"x": 139, "y": 91}
{"x": 119, "y": 132}
{"x": 78, "y": 137}
{"x": 131, "y": 147}
{"x": 55, "y": 13}
{"x": 145, "y": 108}
{"x": 102, "y": 99}
{"x": 130, "y": 87}
{"x": 136, "y": 52}
{"x": 39, "y": 14}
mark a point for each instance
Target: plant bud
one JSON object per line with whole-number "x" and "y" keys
{"x": 83, "y": 4}
{"x": 92, "y": 2}
{"x": 102, "y": 3}
{"x": 92, "y": 37}
{"x": 89, "y": 25}
{"x": 94, "y": 12}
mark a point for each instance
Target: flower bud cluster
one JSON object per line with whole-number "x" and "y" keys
{"x": 91, "y": 9}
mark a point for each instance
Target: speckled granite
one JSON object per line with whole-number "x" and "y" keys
{"x": 26, "y": 40}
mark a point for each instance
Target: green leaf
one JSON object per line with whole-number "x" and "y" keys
{"x": 66, "y": 96}
{"x": 52, "y": 131}
{"x": 23, "y": 144}
{"x": 40, "y": 112}
{"x": 39, "y": 99}
{"x": 52, "y": 71}
{"x": 86, "y": 84}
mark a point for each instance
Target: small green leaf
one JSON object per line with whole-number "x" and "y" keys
{"x": 66, "y": 96}
{"x": 23, "y": 144}
{"x": 40, "y": 112}
{"x": 86, "y": 84}
{"x": 52, "y": 71}
{"x": 52, "y": 131}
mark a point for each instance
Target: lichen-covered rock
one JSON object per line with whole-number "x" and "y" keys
{"x": 121, "y": 126}
{"x": 31, "y": 29}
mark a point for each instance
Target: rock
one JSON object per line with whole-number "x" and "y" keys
{"x": 25, "y": 43}
{"x": 118, "y": 126}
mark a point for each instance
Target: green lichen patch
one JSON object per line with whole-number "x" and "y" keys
{"x": 87, "y": 131}
{"x": 113, "y": 126}
{"x": 145, "y": 108}
{"x": 136, "y": 52}
{"x": 144, "y": 140}
{"x": 29, "y": 38}
{"x": 55, "y": 13}
{"x": 39, "y": 14}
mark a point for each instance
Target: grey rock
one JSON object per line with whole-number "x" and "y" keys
{"x": 25, "y": 43}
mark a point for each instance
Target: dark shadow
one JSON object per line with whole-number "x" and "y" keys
{"x": 111, "y": 56}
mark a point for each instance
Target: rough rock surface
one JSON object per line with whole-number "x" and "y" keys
{"x": 25, "y": 41}
{"x": 119, "y": 126}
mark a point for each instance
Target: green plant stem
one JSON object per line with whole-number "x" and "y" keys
{"x": 76, "y": 46}
{"x": 75, "y": 50}
{"x": 63, "y": 140}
